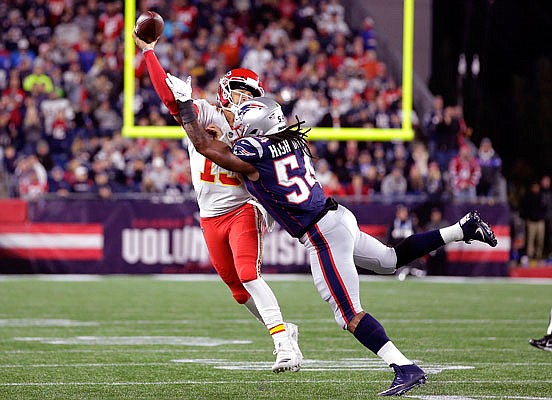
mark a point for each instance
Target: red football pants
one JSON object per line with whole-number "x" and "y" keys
{"x": 234, "y": 242}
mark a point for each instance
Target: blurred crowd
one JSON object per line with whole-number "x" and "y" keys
{"x": 61, "y": 66}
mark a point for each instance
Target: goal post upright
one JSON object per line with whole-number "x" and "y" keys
{"x": 405, "y": 133}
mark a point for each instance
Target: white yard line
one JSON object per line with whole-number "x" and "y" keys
{"x": 429, "y": 397}
{"x": 46, "y": 322}
{"x": 262, "y": 350}
{"x": 285, "y": 382}
{"x": 85, "y": 365}
{"x": 341, "y": 364}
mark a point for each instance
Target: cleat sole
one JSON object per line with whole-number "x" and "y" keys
{"x": 420, "y": 382}
{"x": 402, "y": 391}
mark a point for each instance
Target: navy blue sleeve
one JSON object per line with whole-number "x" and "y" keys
{"x": 248, "y": 149}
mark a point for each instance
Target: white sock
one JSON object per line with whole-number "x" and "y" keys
{"x": 252, "y": 307}
{"x": 267, "y": 306}
{"x": 391, "y": 355}
{"x": 452, "y": 233}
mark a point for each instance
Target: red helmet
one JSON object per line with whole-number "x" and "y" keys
{"x": 239, "y": 78}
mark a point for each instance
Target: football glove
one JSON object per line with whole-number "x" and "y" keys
{"x": 182, "y": 91}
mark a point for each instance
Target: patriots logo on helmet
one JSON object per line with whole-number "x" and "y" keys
{"x": 240, "y": 151}
{"x": 250, "y": 106}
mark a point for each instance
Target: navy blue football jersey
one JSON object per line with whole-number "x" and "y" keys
{"x": 287, "y": 187}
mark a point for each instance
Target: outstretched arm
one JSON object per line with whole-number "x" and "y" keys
{"x": 157, "y": 75}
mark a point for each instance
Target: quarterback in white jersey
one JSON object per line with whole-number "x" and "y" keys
{"x": 231, "y": 223}
{"x": 218, "y": 190}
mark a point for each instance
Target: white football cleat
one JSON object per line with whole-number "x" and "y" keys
{"x": 293, "y": 334}
{"x": 286, "y": 359}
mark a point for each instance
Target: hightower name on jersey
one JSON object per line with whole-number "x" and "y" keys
{"x": 281, "y": 148}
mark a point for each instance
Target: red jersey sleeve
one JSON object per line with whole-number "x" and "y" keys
{"x": 157, "y": 75}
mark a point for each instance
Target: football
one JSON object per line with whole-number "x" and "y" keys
{"x": 149, "y": 26}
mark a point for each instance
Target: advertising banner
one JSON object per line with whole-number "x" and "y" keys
{"x": 131, "y": 236}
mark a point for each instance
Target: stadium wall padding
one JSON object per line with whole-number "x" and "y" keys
{"x": 143, "y": 237}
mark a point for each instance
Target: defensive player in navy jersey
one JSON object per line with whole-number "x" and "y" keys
{"x": 275, "y": 163}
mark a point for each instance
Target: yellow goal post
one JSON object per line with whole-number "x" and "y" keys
{"x": 405, "y": 133}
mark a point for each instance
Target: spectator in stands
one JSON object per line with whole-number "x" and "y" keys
{"x": 78, "y": 55}
{"x": 437, "y": 261}
{"x": 57, "y": 183}
{"x": 368, "y": 35}
{"x": 56, "y": 108}
{"x": 159, "y": 174}
{"x": 257, "y": 57}
{"x": 402, "y": 226}
{"x": 38, "y": 79}
{"x": 364, "y": 162}
{"x": 109, "y": 121}
{"x": 173, "y": 188}
{"x": 309, "y": 108}
{"x": 33, "y": 128}
{"x": 86, "y": 22}
{"x": 351, "y": 158}
{"x": 464, "y": 173}
{"x": 434, "y": 182}
{"x": 67, "y": 32}
{"x": 546, "y": 193}
{"x": 432, "y": 119}
{"x": 357, "y": 189}
{"x": 373, "y": 180}
{"x": 420, "y": 158}
{"x": 101, "y": 186}
{"x": 334, "y": 187}
{"x": 358, "y": 115}
{"x": 379, "y": 160}
{"x": 82, "y": 183}
{"x": 445, "y": 142}
{"x": 394, "y": 184}
{"x": 14, "y": 92}
{"x": 32, "y": 178}
{"x": 134, "y": 173}
{"x": 491, "y": 166}
{"x": 398, "y": 156}
{"x": 23, "y": 57}
{"x": 533, "y": 211}
{"x": 9, "y": 159}
{"x": 43, "y": 155}
{"x": 416, "y": 181}
{"x": 323, "y": 173}
{"x": 111, "y": 22}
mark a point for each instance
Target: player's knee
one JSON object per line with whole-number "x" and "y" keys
{"x": 240, "y": 295}
{"x": 340, "y": 321}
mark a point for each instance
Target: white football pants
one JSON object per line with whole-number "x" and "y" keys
{"x": 335, "y": 246}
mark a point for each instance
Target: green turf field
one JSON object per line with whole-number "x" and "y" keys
{"x": 149, "y": 338}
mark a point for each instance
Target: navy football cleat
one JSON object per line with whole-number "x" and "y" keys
{"x": 406, "y": 378}
{"x": 475, "y": 228}
{"x": 544, "y": 343}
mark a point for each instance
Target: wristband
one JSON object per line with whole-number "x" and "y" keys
{"x": 144, "y": 51}
{"x": 187, "y": 111}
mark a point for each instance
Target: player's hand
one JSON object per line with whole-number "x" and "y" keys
{"x": 141, "y": 44}
{"x": 214, "y": 131}
{"x": 181, "y": 90}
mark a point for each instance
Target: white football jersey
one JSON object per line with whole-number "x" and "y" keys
{"x": 218, "y": 190}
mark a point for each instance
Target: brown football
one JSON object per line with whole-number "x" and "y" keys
{"x": 149, "y": 26}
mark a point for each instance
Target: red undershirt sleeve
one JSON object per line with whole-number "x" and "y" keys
{"x": 157, "y": 75}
